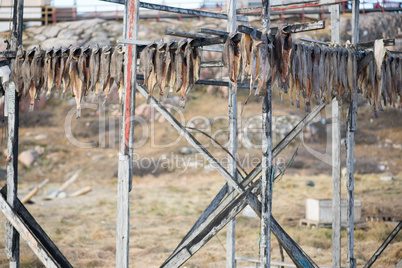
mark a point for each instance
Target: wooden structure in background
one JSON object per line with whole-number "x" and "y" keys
{"x": 238, "y": 192}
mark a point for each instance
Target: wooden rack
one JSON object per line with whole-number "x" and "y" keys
{"x": 239, "y": 191}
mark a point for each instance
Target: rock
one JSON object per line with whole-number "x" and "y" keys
{"x": 39, "y": 149}
{"x": 58, "y": 42}
{"x": 40, "y": 37}
{"x": 84, "y": 23}
{"x": 188, "y": 150}
{"x": 36, "y": 30}
{"x": 98, "y": 40}
{"x": 98, "y": 157}
{"x": 70, "y": 34}
{"x": 53, "y": 157}
{"x": 41, "y": 137}
{"x": 310, "y": 183}
{"x": 51, "y": 31}
{"x": 28, "y": 158}
{"x": 386, "y": 178}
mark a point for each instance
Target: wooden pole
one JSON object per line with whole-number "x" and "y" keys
{"x": 267, "y": 176}
{"x": 232, "y": 147}
{"x": 336, "y": 155}
{"x": 131, "y": 18}
{"x": 13, "y": 238}
{"x": 351, "y": 128}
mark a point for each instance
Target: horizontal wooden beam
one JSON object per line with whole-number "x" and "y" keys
{"x": 279, "y": 5}
{"x": 178, "y": 10}
{"x": 387, "y": 42}
{"x": 185, "y": 34}
{"x": 210, "y": 31}
{"x": 293, "y": 28}
{"x": 211, "y": 64}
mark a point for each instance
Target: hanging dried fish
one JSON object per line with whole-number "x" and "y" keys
{"x": 232, "y": 57}
{"x": 327, "y": 79}
{"x": 317, "y": 74}
{"x": 196, "y": 59}
{"x": 310, "y": 58}
{"x": 167, "y": 67}
{"x": 160, "y": 66}
{"x": 18, "y": 76}
{"x": 282, "y": 49}
{"x": 94, "y": 69}
{"x": 37, "y": 68}
{"x": 56, "y": 69}
{"x": 104, "y": 75}
{"x": 255, "y": 58}
{"x": 393, "y": 80}
{"x": 83, "y": 76}
{"x": 245, "y": 51}
{"x": 190, "y": 73}
{"x": 116, "y": 70}
{"x": 379, "y": 54}
{"x": 298, "y": 70}
{"x": 76, "y": 83}
{"x": 350, "y": 72}
{"x": 171, "y": 71}
{"x": 26, "y": 66}
{"x": 146, "y": 61}
{"x": 305, "y": 70}
{"x": 64, "y": 72}
{"x": 48, "y": 72}
{"x": 180, "y": 65}
{"x": 264, "y": 69}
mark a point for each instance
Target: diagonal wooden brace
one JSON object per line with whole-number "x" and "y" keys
{"x": 298, "y": 256}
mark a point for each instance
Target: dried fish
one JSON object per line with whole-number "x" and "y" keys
{"x": 160, "y": 66}
{"x": 180, "y": 65}
{"x": 309, "y": 89}
{"x": 317, "y": 74}
{"x": 76, "y": 83}
{"x": 264, "y": 69}
{"x": 37, "y": 68}
{"x": 299, "y": 74}
{"x": 245, "y": 51}
{"x": 232, "y": 57}
{"x": 282, "y": 48}
{"x": 388, "y": 81}
{"x": 293, "y": 73}
{"x": 255, "y": 58}
{"x": 116, "y": 70}
{"x": 63, "y": 75}
{"x": 48, "y": 72}
{"x": 83, "y": 70}
{"x": 167, "y": 67}
{"x": 188, "y": 83}
{"x": 196, "y": 59}
{"x": 94, "y": 69}
{"x": 379, "y": 54}
{"x": 18, "y": 76}
{"x": 104, "y": 74}
{"x": 146, "y": 61}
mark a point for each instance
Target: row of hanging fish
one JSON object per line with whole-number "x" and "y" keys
{"x": 75, "y": 69}
{"x": 311, "y": 70}
{"x": 165, "y": 66}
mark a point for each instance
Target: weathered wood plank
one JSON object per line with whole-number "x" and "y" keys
{"x": 350, "y": 141}
{"x": 185, "y": 34}
{"x": 28, "y": 220}
{"x": 12, "y": 237}
{"x": 278, "y": 5}
{"x": 266, "y": 161}
{"x": 384, "y": 245}
{"x": 387, "y": 42}
{"x": 213, "y": 32}
{"x": 336, "y": 184}
{"x": 164, "y": 8}
{"x": 123, "y": 213}
{"x": 293, "y": 28}
{"x": 232, "y": 142}
{"x": 27, "y": 235}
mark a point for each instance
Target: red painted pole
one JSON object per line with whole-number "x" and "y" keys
{"x": 303, "y": 18}
{"x": 364, "y": 8}
{"x": 54, "y": 16}
{"x": 283, "y": 16}
{"x": 117, "y": 13}
{"x": 383, "y": 4}
{"x": 96, "y": 12}
{"x": 322, "y": 13}
{"x": 75, "y": 13}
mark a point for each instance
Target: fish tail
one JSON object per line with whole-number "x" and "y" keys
{"x": 31, "y": 107}
{"x": 182, "y": 103}
{"x": 149, "y": 99}
{"x": 78, "y": 114}
{"x": 298, "y": 104}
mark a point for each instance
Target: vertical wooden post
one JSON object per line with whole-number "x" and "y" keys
{"x": 351, "y": 128}
{"x": 267, "y": 178}
{"x": 232, "y": 112}
{"x": 131, "y": 17}
{"x": 13, "y": 237}
{"x": 336, "y": 155}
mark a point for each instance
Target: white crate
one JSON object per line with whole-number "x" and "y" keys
{"x": 320, "y": 210}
